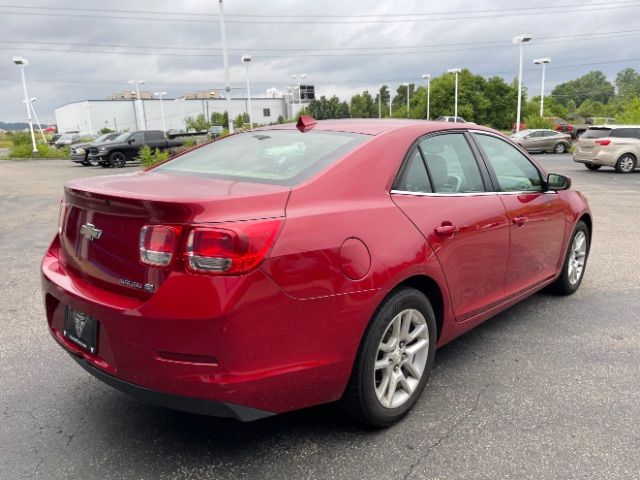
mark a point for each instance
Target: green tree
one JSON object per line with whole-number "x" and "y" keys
{"x": 628, "y": 82}
{"x": 220, "y": 118}
{"x": 199, "y": 123}
{"x": 240, "y": 120}
{"x": 593, "y": 85}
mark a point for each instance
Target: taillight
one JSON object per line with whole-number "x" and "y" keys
{"x": 158, "y": 244}
{"x": 232, "y": 248}
{"x": 603, "y": 142}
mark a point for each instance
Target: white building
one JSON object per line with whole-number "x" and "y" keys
{"x": 92, "y": 115}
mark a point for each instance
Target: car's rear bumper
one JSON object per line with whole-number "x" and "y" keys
{"x": 600, "y": 157}
{"x": 176, "y": 402}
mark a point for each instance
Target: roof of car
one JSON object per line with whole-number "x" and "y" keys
{"x": 370, "y": 126}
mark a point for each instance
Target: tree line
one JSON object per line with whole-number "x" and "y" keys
{"x": 493, "y": 101}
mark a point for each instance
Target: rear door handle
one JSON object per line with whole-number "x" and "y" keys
{"x": 445, "y": 230}
{"x": 519, "y": 221}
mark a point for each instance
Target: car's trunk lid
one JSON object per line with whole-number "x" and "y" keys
{"x": 104, "y": 215}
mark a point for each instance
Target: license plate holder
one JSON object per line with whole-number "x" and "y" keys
{"x": 81, "y": 329}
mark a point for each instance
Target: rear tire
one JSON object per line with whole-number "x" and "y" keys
{"x": 394, "y": 360}
{"x": 117, "y": 159}
{"x": 626, "y": 163}
{"x": 592, "y": 166}
{"x": 575, "y": 262}
{"x": 560, "y": 148}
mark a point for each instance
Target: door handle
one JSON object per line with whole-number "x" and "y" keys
{"x": 445, "y": 230}
{"x": 520, "y": 221}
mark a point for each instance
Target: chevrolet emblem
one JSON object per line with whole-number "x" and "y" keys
{"x": 90, "y": 232}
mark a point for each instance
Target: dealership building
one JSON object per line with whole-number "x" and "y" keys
{"x": 123, "y": 111}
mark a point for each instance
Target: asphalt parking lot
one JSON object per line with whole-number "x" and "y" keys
{"x": 547, "y": 389}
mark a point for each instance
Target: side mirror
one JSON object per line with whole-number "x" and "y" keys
{"x": 131, "y": 141}
{"x": 556, "y": 182}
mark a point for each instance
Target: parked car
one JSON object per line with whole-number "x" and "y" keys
{"x": 215, "y": 131}
{"x": 282, "y": 268}
{"x": 67, "y": 139}
{"x": 558, "y": 124}
{"x": 616, "y": 146}
{"x": 542, "y": 140}
{"x": 80, "y": 151}
{"x": 54, "y": 138}
{"x": 126, "y": 146}
{"x": 451, "y": 119}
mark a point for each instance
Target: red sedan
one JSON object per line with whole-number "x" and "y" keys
{"x": 287, "y": 267}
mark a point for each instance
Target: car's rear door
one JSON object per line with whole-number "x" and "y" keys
{"x": 537, "y": 217}
{"x": 442, "y": 189}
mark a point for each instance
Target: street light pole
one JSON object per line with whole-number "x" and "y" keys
{"x": 164, "y": 126}
{"x": 520, "y": 39}
{"x": 225, "y": 60}
{"x": 427, "y": 77}
{"x": 246, "y": 59}
{"x": 407, "y": 100}
{"x": 299, "y": 78}
{"x": 88, "y": 106}
{"x": 455, "y": 108}
{"x": 543, "y": 62}
{"x": 141, "y": 116}
{"x": 390, "y": 99}
{"x": 35, "y": 116}
{"x": 22, "y": 62}
{"x": 379, "y": 105}
{"x": 181, "y": 102}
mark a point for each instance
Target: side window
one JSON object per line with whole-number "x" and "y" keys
{"x": 625, "y": 133}
{"x": 514, "y": 171}
{"x": 549, "y": 134}
{"x": 137, "y": 137}
{"x": 451, "y": 164}
{"x": 413, "y": 177}
{"x": 266, "y": 112}
{"x": 535, "y": 135}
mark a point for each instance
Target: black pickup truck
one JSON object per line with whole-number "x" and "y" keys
{"x": 124, "y": 148}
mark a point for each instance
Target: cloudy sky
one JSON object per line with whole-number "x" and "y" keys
{"x": 88, "y": 50}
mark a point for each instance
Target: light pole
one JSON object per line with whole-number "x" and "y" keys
{"x": 23, "y": 62}
{"x": 160, "y": 95}
{"x": 427, "y": 77}
{"x": 543, "y": 62}
{"x": 246, "y": 59}
{"x": 390, "y": 99}
{"x": 520, "y": 39}
{"x": 142, "y": 120}
{"x": 380, "y": 104}
{"x": 88, "y": 106}
{"x": 457, "y": 72}
{"x": 181, "y": 102}
{"x": 225, "y": 60}
{"x": 299, "y": 78}
{"x": 407, "y": 99}
{"x": 35, "y": 116}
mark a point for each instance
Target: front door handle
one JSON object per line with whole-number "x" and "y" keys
{"x": 520, "y": 221}
{"x": 445, "y": 230}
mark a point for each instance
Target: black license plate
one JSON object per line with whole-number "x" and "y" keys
{"x": 81, "y": 329}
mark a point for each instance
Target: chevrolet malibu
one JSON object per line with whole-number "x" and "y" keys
{"x": 292, "y": 266}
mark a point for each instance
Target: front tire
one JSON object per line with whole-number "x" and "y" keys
{"x": 626, "y": 163}
{"x": 394, "y": 360}
{"x": 575, "y": 262}
{"x": 592, "y": 166}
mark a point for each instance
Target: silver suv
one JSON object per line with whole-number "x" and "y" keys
{"x": 616, "y": 146}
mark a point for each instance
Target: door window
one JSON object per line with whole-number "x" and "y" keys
{"x": 137, "y": 137}
{"x": 451, "y": 164}
{"x": 514, "y": 171}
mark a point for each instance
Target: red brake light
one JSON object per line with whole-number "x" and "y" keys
{"x": 158, "y": 244}
{"x": 230, "y": 249}
{"x": 603, "y": 142}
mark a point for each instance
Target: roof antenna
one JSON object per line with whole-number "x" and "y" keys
{"x": 306, "y": 123}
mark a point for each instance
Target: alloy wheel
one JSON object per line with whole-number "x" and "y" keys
{"x": 626, "y": 164}
{"x": 577, "y": 257}
{"x": 401, "y": 359}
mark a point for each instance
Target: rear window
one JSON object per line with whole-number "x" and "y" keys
{"x": 625, "y": 133}
{"x": 285, "y": 157}
{"x": 596, "y": 133}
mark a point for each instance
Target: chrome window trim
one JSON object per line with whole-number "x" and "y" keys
{"x": 469, "y": 194}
